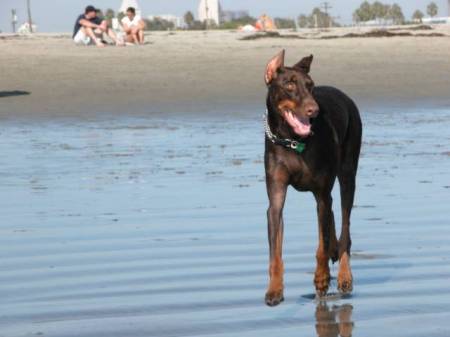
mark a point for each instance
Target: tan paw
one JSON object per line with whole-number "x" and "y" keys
{"x": 322, "y": 282}
{"x": 345, "y": 278}
{"x": 274, "y": 298}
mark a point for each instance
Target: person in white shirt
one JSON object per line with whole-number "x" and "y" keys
{"x": 133, "y": 27}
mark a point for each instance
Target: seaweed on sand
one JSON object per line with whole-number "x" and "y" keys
{"x": 266, "y": 35}
{"x": 382, "y": 33}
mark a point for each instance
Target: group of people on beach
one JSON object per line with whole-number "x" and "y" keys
{"x": 90, "y": 29}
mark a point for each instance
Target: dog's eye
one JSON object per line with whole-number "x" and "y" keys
{"x": 290, "y": 86}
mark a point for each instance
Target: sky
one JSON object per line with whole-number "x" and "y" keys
{"x": 59, "y": 15}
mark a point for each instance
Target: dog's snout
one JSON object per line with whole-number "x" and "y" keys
{"x": 312, "y": 110}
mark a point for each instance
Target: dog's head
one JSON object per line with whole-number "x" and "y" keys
{"x": 290, "y": 92}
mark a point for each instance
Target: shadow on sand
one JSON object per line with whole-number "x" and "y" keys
{"x": 14, "y": 93}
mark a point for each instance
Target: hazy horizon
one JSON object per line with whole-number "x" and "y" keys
{"x": 66, "y": 11}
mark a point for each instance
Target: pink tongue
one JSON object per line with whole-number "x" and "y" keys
{"x": 300, "y": 127}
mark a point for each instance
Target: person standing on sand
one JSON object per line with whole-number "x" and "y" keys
{"x": 133, "y": 26}
{"x": 89, "y": 29}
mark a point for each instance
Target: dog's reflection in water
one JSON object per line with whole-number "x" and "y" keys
{"x": 335, "y": 321}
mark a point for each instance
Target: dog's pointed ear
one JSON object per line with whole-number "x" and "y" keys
{"x": 274, "y": 64}
{"x": 305, "y": 64}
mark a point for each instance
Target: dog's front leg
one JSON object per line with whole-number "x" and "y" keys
{"x": 276, "y": 188}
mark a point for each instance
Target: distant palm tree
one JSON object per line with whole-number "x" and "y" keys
{"x": 30, "y": 22}
{"x": 418, "y": 16}
{"x": 432, "y": 9}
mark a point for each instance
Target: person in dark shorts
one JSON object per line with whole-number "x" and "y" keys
{"x": 89, "y": 29}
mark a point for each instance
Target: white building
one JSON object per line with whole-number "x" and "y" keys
{"x": 436, "y": 20}
{"x": 130, "y": 3}
{"x": 377, "y": 23}
{"x": 209, "y": 11}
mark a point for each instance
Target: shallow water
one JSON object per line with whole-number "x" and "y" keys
{"x": 148, "y": 226}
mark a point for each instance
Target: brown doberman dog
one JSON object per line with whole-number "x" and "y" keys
{"x": 313, "y": 135}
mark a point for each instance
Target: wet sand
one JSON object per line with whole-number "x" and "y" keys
{"x": 129, "y": 222}
{"x": 142, "y": 226}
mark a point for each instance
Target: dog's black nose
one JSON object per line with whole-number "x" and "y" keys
{"x": 312, "y": 110}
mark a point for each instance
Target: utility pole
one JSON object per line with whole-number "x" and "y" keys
{"x": 326, "y": 6}
{"x": 13, "y": 20}
{"x": 297, "y": 26}
{"x": 207, "y": 13}
{"x": 30, "y": 22}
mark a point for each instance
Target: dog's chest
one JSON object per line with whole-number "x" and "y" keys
{"x": 301, "y": 177}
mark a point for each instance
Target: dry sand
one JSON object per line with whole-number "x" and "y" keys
{"x": 190, "y": 71}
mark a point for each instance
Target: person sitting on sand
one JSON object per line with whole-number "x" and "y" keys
{"x": 89, "y": 29}
{"x": 133, "y": 27}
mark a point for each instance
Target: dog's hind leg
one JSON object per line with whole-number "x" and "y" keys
{"x": 347, "y": 176}
{"x": 326, "y": 221}
{"x": 276, "y": 188}
{"x": 347, "y": 186}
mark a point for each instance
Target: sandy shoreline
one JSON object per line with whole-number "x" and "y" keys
{"x": 192, "y": 71}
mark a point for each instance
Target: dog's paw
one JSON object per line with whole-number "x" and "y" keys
{"x": 345, "y": 279}
{"x": 345, "y": 283}
{"x": 274, "y": 298}
{"x": 321, "y": 282}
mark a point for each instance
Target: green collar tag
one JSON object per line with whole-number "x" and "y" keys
{"x": 298, "y": 147}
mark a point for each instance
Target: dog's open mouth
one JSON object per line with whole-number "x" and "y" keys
{"x": 300, "y": 125}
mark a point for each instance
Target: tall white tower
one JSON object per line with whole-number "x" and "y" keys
{"x": 209, "y": 11}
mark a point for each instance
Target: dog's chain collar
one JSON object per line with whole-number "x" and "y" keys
{"x": 295, "y": 145}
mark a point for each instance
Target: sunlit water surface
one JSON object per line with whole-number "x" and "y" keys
{"x": 150, "y": 226}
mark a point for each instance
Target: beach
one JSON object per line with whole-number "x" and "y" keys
{"x": 191, "y": 71}
{"x": 133, "y": 193}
